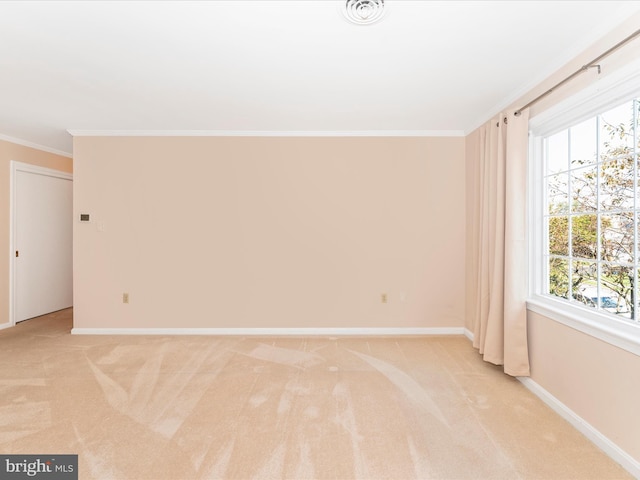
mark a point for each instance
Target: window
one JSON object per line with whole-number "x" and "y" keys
{"x": 591, "y": 213}
{"x": 584, "y": 210}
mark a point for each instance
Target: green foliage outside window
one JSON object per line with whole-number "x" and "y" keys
{"x": 593, "y": 213}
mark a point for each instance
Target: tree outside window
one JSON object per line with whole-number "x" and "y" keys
{"x": 592, "y": 188}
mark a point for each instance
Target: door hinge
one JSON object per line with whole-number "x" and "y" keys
{"x": 17, "y": 253}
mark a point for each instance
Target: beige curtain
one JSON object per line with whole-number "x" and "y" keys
{"x": 500, "y": 317}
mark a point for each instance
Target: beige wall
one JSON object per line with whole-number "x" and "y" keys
{"x": 8, "y": 152}
{"x": 269, "y": 232}
{"x": 598, "y": 381}
{"x": 589, "y": 376}
{"x": 472, "y": 158}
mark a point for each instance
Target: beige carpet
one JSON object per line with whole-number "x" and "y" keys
{"x": 156, "y": 408}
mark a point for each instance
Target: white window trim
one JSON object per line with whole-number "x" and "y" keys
{"x": 624, "y": 335}
{"x": 607, "y": 92}
{"x": 615, "y": 88}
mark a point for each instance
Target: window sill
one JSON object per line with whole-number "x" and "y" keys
{"x": 618, "y": 333}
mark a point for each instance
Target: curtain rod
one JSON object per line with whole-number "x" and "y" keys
{"x": 592, "y": 64}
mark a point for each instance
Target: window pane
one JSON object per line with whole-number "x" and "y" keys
{"x": 637, "y": 159}
{"x": 558, "y": 277}
{"x": 558, "y": 152}
{"x": 616, "y": 237}
{"x": 584, "y": 233}
{"x": 584, "y": 281}
{"x": 558, "y": 228}
{"x": 616, "y": 183}
{"x": 636, "y": 106}
{"x": 616, "y": 282}
{"x": 584, "y": 187}
{"x": 616, "y": 131}
{"x": 592, "y": 218}
{"x": 637, "y": 247}
{"x": 558, "y": 193}
{"x": 583, "y": 143}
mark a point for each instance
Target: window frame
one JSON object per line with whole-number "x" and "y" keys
{"x": 606, "y": 93}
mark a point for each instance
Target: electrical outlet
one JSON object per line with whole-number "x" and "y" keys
{"x": 125, "y": 298}
{"x": 383, "y": 298}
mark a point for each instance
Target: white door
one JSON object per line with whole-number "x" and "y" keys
{"x": 43, "y": 241}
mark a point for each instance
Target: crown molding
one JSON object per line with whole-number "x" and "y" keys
{"x": 26, "y": 143}
{"x": 265, "y": 133}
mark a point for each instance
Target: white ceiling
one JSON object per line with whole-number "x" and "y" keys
{"x": 278, "y": 66}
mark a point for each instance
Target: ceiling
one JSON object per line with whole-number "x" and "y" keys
{"x": 278, "y": 67}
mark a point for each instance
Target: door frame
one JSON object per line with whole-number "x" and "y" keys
{"x": 16, "y": 167}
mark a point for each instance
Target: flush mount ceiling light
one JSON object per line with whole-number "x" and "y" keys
{"x": 364, "y": 12}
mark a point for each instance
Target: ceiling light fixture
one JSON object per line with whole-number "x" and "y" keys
{"x": 364, "y": 12}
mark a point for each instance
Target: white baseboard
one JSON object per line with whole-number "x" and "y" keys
{"x": 272, "y": 331}
{"x": 469, "y": 334}
{"x": 607, "y": 446}
{"x": 5, "y": 325}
